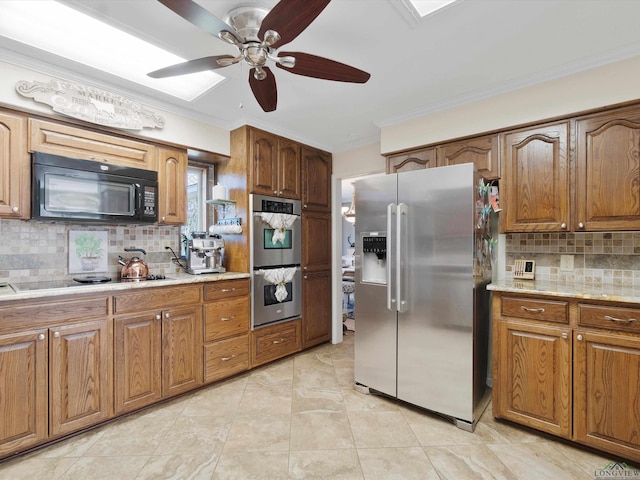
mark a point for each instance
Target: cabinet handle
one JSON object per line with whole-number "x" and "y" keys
{"x": 579, "y": 337}
{"x": 565, "y": 335}
{"x": 226, "y": 359}
{"x": 581, "y": 225}
{"x": 41, "y": 336}
{"x": 158, "y": 317}
{"x": 15, "y": 209}
{"x": 167, "y": 315}
{"x": 563, "y": 225}
{"x": 226, "y": 319}
{"x": 164, "y": 219}
{"x": 534, "y": 310}
{"x": 227, "y": 290}
{"x": 275, "y": 342}
{"x": 56, "y": 334}
{"x": 304, "y": 206}
{"x": 275, "y": 192}
{"x": 620, "y": 320}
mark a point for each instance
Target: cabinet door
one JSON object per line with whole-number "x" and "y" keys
{"x": 608, "y": 171}
{"x": 316, "y": 308}
{"x": 80, "y": 378}
{"x": 535, "y": 193}
{"x": 263, "y": 150}
{"x": 137, "y": 361}
{"x": 607, "y": 392}
{"x": 316, "y": 180}
{"x": 316, "y": 241}
{"x": 288, "y": 169}
{"x": 23, "y": 390}
{"x": 172, "y": 186}
{"x": 15, "y": 168}
{"x": 416, "y": 160}
{"x": 534, "y": 376}
{"x": 482, "y": 152}
{"x": 181, "y": 350}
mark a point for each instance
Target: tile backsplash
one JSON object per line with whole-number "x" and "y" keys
{"x": 33, "y": 251}
{"x": 602, "y": 258}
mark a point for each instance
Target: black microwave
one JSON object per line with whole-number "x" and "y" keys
{"x": 72, "y": 189}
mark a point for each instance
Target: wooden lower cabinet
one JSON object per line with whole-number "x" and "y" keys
{"x": 575, "y": 374}
{"x": 137, "y": 361}
{"x": 607, "y": 391}
{"x": 181, "y": 357}
{"x": 275, "y": 341}
{"x": 226, "y": 357}
{"x": 80, "y": 375}
{"x": 316, "y": 308}
{"x": 24, "y": 391}
{"x": 534, "y": 385}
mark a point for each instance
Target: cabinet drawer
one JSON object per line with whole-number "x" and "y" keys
{"x": 547, "y": 310}
{"x": 226, "y": 288}
{"x": 70, "y": 309}
{"x": 615, "y": 318}
{"x": 226, "y": 318}
{"x": 226, "y": 357}
{"x": 75, "y": 142}
{"x": 147, "y": 299}
{"x": 276, "y": 341}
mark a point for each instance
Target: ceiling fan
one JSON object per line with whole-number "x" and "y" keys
{"x": 258, "y": 33}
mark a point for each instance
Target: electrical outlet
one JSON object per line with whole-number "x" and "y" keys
{"x": 566, "y": 263}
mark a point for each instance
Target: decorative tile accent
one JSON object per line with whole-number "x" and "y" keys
{"x": 600, "y": 258}
{"x": 32, "y": 251}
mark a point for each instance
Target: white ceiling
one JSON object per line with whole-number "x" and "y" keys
{"x": 470, "y": 50}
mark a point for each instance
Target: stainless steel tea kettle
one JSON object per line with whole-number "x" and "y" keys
{"x": 134, "y": 269}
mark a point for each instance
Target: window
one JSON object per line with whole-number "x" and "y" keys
{"x": 199, "y": 178}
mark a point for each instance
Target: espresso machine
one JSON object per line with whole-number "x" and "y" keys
{"x": 205, "y": 253}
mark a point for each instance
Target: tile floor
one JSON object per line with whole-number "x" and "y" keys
{"x": 301, "y": 418}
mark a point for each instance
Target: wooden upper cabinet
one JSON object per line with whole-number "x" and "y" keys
{"x": 275, "y": 165}
{"x": 608, "y": 171}
{"x": 414, "y": 160}
{"x": 535, "y": 180}
{"x": 481, "y": 151}
{"x": 316, "y": 241}
{"x": 15, "y": 168}
{"x": 316, "y": 179}
{"x": 172, "y": 186}
{"x": 61, "y": 139}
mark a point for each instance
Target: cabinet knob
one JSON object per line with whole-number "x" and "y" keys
{"x": 565, "y": 335}
{"x": 305, "y": 277}
{"x": 56, "y": 334}
{"x": 15, "y": 209}
{"x": 581, "y": 225}
{"x": 158, "y": 317}
{"x": 563, "y": 225}
{"x": 304, "y": 206}
{"x": 275, "y": 192}
{"x": 167, "y": 315}
{"x": 164, "y": 219}
{"x": 280, "y": 193}
{"x": 304, "y": 268}
{"x": 580, "y": 337}
{"x": 41, "y": 336}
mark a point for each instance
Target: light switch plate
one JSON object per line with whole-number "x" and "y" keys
{"x": 524, "y": 269}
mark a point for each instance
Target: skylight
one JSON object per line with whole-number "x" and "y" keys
{"x": 426, "y": 7}
{"x": 63, "y": 31}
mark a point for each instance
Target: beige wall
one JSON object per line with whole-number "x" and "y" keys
{"x": 360, "y": 161}
{"x": 178, "y": 129}
{"x": 606, "y": 85}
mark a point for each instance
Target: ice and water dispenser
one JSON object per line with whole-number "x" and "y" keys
{"x": 374, "y": 258}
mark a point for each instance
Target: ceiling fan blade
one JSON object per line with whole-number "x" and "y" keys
{"x": 191, "y": 66}
{"x": 319, "y": 67}
{"x": 290, "y": 17}
{"x": 264, "y": 90}
{"x": 200, "y": 17}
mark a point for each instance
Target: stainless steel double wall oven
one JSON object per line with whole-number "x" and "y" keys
{"x": 267, "y": 254}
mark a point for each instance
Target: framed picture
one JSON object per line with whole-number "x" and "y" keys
{"x": 88, "y": 251}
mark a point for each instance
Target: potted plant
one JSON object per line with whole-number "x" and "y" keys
{"x": 88, "y": 249}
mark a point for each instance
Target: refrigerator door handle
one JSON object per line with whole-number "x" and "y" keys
{"x": 401, "y": 216}
{"x": 391, "y": 213}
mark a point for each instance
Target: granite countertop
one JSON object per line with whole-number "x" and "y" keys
{"x": 611, "y": 293}
{"x": 26, "y": 291}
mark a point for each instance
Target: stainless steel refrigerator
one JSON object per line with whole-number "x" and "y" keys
{"x": 423, "y": 242}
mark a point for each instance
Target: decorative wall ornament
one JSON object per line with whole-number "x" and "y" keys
{"x": 91, "y": 104}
